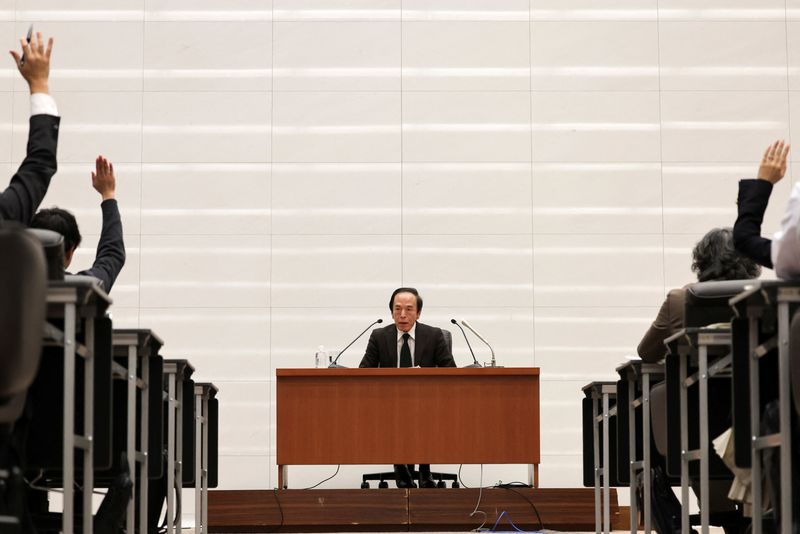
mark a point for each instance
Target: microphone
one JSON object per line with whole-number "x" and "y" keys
{"x": 476, "y": 364}
{"x": 465, "y": 323}
{"x": 335, "y": 365}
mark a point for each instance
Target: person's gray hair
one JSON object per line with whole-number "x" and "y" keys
{"x": 715, "y": 258}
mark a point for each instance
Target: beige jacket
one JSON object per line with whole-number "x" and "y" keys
{"x": 669, "y": 320}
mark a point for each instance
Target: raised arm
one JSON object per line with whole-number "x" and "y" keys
{"x": 110, "y": 257}
{"x": 752, "y": 203}
{"x": 28, "y": 186}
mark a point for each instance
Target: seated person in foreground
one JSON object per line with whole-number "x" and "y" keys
{"x": 408, "y": 343}
{"x": 28, "y": 186}
{"x": 782, "y": 252}
{"x": 110, "y": 256}
{"x": 713, "y": 259}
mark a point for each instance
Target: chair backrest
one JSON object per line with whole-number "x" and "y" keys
{"x": 707, "y": 302}
{"x": 53, "y": 245}
{"x": 23, "y": 286}
{"x": 448, "y": 339}
{"x": 794, "y": 363}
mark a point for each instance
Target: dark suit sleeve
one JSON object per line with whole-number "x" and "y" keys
{"x": 442, "y": 356}
{"x": 753, "y": 200}
{"x": 371, "y": 356}
{"x": 28, "y": 186}
{"x": 111, "y": 249}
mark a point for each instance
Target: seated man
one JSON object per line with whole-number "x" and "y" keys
{"x": 782, "y": 252}
{"x": 110, "y": 250}
{"x": 29, "y": 185}
{"x": 408, "y": 343}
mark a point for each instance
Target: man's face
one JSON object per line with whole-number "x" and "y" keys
{"x": 404, "y": 311}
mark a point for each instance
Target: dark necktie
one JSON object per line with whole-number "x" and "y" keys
{"x": 405, "y": 352}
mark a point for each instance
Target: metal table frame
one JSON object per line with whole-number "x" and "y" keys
{"x": 601, "y": 393}
{"x": 632, "y": 371}
{"x": 139, "y": 344}
{"x": 76, "y": 300}
{"x": 684, "y": 345}
{"x": 176, "y": 371}
{"x": 203, "y": 392}
{"x": 754, "y": 304}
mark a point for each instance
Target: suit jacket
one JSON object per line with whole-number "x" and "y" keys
{"x": 28, "y": 186}
{"x": 111, "y": 249}
{"x": 430, "y": 348}
{"x": 752, "y": 203}
{"x": 669, "y": 320}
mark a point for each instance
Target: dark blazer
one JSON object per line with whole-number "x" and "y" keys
{"x": 28, "y": 186}
{"x": 752, "y": 203}
{"x": 430, "y": 348}
{"x": 111, "y": 249}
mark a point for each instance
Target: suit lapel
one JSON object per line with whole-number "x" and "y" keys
{"x": 391, "y": 345}
{"x": 419, "y": 344}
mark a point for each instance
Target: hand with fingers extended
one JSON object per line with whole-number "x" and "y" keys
{"x": 36, "y": 67}
{"x": 773, "y": 164}
{"x": 103, "y": 178}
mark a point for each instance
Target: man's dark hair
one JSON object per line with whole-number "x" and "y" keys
{"x": 406, "y": 290}
{"x": 60, "y": 221}
{"x": 715, "y": 258}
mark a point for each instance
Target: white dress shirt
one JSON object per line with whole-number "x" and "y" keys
{"x": 43, "y": 104}
{"x": 411, "y": 335}
{"x": 785, "y": 249}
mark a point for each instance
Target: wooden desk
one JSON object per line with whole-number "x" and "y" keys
{"x": 407, "y": 416}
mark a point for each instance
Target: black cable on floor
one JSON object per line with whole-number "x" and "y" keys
{"x": 327, "y": 479}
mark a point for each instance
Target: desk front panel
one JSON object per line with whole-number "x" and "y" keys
{"x": 380, "y": 416}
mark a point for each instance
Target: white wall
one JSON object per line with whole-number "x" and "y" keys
{"x": 540, "y": 167}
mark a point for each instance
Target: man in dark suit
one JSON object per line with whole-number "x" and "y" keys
{"x": 408, "y": 343}
{"x": 110, "y": 256}
{"x": 28, "y": 186}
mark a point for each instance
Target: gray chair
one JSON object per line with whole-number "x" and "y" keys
{"x": 794, "y": 366}
{"x": 448, "y": 339}
{"x": 23, "y": 284}
{"x": 53, "y": 245}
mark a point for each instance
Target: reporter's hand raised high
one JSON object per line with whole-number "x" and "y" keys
{"x": 773, "y": 164}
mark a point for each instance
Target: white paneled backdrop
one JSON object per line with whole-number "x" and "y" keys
{"x": 540, "y": 167}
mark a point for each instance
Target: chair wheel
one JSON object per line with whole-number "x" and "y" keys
{"x": 365, "y": 485}
{"x": 441, "y": 484}
{"x": 456, "y": 484}
{"x": 383, "y": 484}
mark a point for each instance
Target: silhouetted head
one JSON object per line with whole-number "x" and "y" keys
{"x": 63, "y": 222}
{"x": 715, "y": 258}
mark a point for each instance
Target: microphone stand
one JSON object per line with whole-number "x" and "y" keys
{"x": 335, "y": 365}
{"x": 494, "y": 362}
{"x": 474, "y": 359}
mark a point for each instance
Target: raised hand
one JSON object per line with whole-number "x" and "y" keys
{"x": 773, "y": 164}
{"x": 36, "y": 68}
{"x": 103, "y": 178}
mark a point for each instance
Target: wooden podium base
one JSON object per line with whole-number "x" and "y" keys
{"x": 400, "y": 510}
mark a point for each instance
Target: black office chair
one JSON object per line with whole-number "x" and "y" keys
{"x": 440, "y": 478}
{"x": 706, "y": 304}
{"x": 53, "y": 245}
{"x": 23, "y": 284}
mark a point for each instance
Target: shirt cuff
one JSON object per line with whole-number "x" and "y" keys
{"x": 43, "y": 104}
